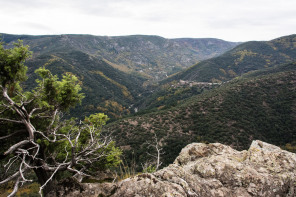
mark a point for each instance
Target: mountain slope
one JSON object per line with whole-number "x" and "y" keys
{"x": 106, "y": 89}
{"x": 242, "y": 59}
{"x": 170, "y": 94}
{"x": 247, "y": 108}
{"x": 207, "y": 47}
{"x": 113, "y": 69}
{"x": 152, "y": 56}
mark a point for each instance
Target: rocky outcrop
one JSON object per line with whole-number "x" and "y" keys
{"x": 213, "y": 170}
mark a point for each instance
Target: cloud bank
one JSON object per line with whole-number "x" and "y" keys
{"x": 231, "y": 20}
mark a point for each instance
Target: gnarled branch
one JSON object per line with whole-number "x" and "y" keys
{"x": 10, "y": 120}
{"x": 12, "y": 134}
{"x": 16, "y": 146}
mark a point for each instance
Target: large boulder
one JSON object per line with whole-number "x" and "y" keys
{"x": 214, "y": 170}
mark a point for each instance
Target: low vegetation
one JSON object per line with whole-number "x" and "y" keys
{"x": 255, "y": 106}
{"x": 246, "y": 57}
{"x": 245, "y": 94}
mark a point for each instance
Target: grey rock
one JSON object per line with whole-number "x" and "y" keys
{"x": 206, "y": 170}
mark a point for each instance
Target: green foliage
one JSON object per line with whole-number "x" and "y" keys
{"x": 127, "y": 169}
{"x": 88, "y": 132}
{"x": 111, "y": 86}
{"x": 113, "y": 69}
{"x": 259, "y": 105}
{"x": 63, "y": 94}
{"x": 12, "y": 68}
{"x": 64, "y": 145}
{"x": 170, "y": 95}
{"x": 97, "y": 120}
{"x": 246, "y": 57}
{"x": 149, "y": 169}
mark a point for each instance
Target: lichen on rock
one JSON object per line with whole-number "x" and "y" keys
{"x": 206, "y": 170}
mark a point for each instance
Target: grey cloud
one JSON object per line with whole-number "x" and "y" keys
{"x": 250, "y": 19}
{"x": 108, "y": 8}
{"x": 16, "y": 4}
{"x": 98, "y": 8}
{"x": 36, "y": 26}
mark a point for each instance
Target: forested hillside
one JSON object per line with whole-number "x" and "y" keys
{"x": 260, "y": 105}
{"x": 246, "y": 57}
{"x": 113, "y": 70}
{"x": 208, "y": 74}
{"x": 171, "y": 94}
{"x": 106, "y": 89}
{"x": 152, "y": 56}
{"x": 257, "y": 105}
{"x": 126, "y": 98}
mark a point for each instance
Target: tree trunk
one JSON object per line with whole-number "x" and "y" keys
{"x": 43, "y": 176}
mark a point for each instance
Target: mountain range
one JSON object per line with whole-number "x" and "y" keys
{"x": 153, "y": 56}
{"x": 244, "y": 58}
{"x": 244, "y": 94}
{"x": 224, "y": 92}
{"x": 260, "y": 105}
{"x": 113, "y": 70}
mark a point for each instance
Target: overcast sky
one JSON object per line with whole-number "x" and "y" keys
{"x": 232, "y": 20}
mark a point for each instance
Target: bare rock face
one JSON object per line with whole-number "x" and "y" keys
{"x": 208, "y": 170}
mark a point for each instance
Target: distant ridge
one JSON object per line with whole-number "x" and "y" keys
{"x": 113, "y": 69}
{"x": 249, "y": 56}
{"x": 152, "y": 56}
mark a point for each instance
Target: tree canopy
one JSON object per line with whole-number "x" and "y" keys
{"x": 35, "y": 134}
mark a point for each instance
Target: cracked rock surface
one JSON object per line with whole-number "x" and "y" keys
{"x": 208, "y": 170}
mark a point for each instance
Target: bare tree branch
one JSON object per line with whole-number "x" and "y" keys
{"x": 10, "y": 162}
{"x": 16, "y": 146}
{"x": 33, "y": 110}
{"x": 11, "y": 102}
{"x": 158, "y": 149}
{"x": 50, "y": 178}
{"x": 53, "y": 118}
{"x": 10, "y": 120}
{"x": 17, "y": 174}
{"x": 16, "y": 186}
{"x": 78, "y": 158}
{"x": 83, "y": 144}
{"x": 5, "y": 109}
{"x": 12, "y": 134}
{"x": 21, "y": 167}
{"x": 21, "y": 111}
